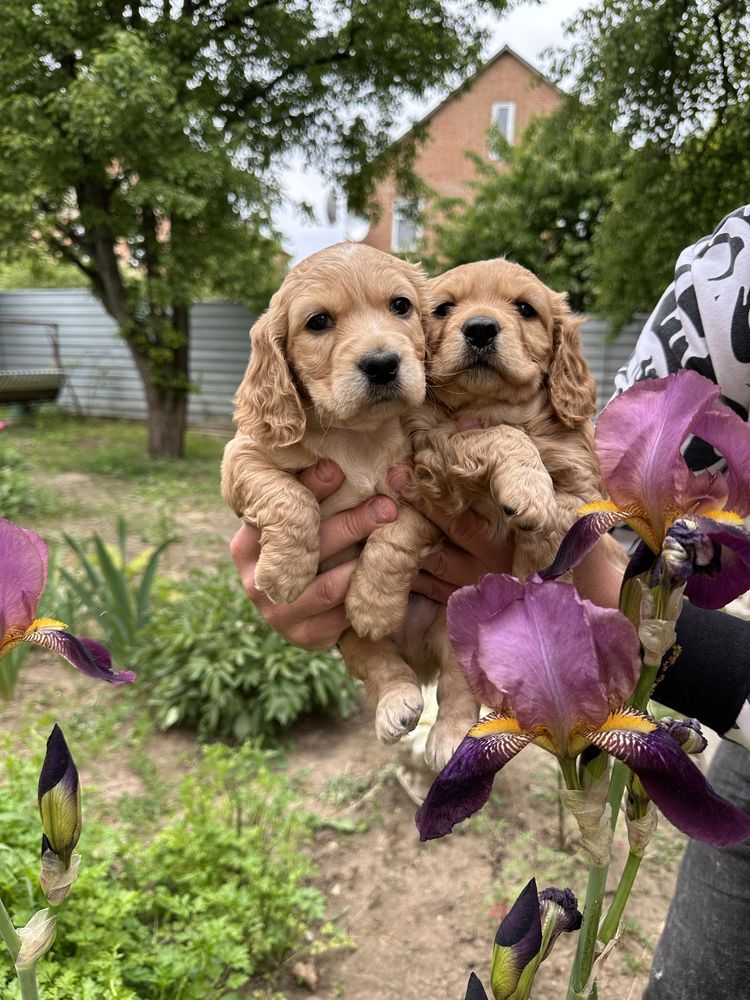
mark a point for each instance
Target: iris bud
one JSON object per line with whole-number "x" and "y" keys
{"x": 686, "y": 732}
{"x": 60, "y": 798}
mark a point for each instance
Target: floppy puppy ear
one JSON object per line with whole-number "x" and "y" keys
{"x": 267, "y": 405}
{"x": 572, "y": 389}
{"x": 419, "y": 279}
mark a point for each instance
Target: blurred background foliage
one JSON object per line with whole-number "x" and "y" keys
{"x": 646, "y": 154}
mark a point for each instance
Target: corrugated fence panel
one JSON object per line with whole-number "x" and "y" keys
{"x": 104, "y": 377}
{"x": 105, "y": 380}
{"x": 605, "y": 359}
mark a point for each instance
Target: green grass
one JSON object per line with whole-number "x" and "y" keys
{"x": 123, "y": 478}
{"x": 115, "y": 449}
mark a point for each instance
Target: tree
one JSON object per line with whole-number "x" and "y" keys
{"x": 673, "y": 78}
{"x": 646, "y": 155}
{"x": 540, "y": 206}
{"x": 140, "y": 142}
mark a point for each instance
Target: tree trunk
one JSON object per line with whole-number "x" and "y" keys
{"x": 167, "y": 421}
{"x": 167, "y": 406}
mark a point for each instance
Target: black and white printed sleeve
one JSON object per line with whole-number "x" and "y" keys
{"x": 702, "y": 322}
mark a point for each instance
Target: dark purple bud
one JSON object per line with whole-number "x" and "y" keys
{"x": 686, "y": 732}
{"x": 475, "y": 990}
{"x": 560, "y": 906}
{"x": 59, "y": 798}
{"x": 687, "y": 550}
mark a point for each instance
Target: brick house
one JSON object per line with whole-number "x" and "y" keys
{"x": 508, "y": 92}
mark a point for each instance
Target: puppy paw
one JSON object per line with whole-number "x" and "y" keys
{"x": 443, "y": 739}
{"x": 374, "y": 616}
{"x": 527, "y": 500}
{"x": 398, "y": 712}
{"x": 283, "y": 576}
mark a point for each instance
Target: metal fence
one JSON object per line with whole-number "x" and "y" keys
{"x": 106, "y": 383}
{"x": 103, "y": 376}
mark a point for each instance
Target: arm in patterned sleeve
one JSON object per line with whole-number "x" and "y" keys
{"x": 702, "y": 322}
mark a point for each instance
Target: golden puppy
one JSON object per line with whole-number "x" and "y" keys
{"x": 510, "y": 432}
{"x": 337, "y": 360}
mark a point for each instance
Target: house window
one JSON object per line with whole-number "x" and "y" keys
{"x": 407, "y": 228}
{"x": 504, "y": 120}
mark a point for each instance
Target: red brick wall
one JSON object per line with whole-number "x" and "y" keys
{"x": 461, "y": 124}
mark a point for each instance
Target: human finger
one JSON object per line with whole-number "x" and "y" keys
{"x": 430, "y": 586}
{"x": 322, "y": 479}
{"x": 455, "y": 566}
{"x": 340, "y": 531}
{"x": 321, "y": 631}
{"x": 470, "y": 532}
{"x": 244, "y": 549}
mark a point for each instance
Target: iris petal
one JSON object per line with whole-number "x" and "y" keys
{"x": 549, "y": 653}
{"x": 86, "y": 655}
{"x": 23, "y": 557}
{"x": 581, "y": 539}
{"x": 729, "y": 434}
{"x": 671, "y": 779}
{"x": 733, "y": 577}
{"x": 517, "y": 942}
{"x": 465, "y": 783}
{"x": 468, "y": 608}
{"x": 639, "y": 437}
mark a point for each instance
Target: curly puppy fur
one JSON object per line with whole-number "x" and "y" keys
{"x": 337, "y": 361}
{"x": 508, "y": 431}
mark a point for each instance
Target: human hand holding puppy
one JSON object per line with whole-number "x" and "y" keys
{"x": 317, "y": 618}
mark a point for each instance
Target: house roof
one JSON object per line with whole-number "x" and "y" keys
{"x": 506, "y": 50}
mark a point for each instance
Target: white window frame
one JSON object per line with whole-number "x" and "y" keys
{"x": 398, "y": 205}
{"x": 510, "y": 107}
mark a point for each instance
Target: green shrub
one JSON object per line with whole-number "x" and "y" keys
{"x": 17, "y": 493}
{"x": 114, "y": 592}
{"x": 219, "y": 896}
{"x": 215, "y": 665}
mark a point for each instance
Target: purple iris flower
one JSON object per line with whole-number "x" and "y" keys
{"x": 693, "y": 520}
{"x": 23, "y": 557}
{"x": 557, "y": 670}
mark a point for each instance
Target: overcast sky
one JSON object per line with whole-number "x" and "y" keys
{"x": 529, "y": 31}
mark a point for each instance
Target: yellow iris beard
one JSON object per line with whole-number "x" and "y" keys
{"x": 15, "y": 635}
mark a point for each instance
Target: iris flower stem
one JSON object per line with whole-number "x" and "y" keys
{"x": 27, "y": 978}
{"x": 586, "y": 950}
{"x": 28, "y": 983}
{"x": 584, "y": 958}
{"x": 614, "y": 915}
{"x": 8, "y": 932}
{"x": 569, "y": 773}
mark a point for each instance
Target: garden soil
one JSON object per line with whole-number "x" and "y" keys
{"x": 423, "y": 916}
{"x": 420, "y": 917}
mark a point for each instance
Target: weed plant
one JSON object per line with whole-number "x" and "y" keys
{"x": 17, "y": 493}
{"x": 218, "y": 896}
{"x": 213, "y": 664}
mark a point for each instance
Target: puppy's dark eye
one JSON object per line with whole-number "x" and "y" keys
{"x": 319, "y": 322}
{"x": 525, "y": 310}
{"x": 443, "y": 309}
{"x": 400, "y": 306}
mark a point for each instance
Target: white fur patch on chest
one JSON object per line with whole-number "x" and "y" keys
{"x": 364, "y": 457}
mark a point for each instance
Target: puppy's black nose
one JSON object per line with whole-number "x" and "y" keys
{"x": 380, "y": 367}
{"x": 480, "y": 331}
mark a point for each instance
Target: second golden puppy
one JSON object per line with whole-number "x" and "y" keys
{"x": 509, "y": 429}
{"x": 337, "y": 360}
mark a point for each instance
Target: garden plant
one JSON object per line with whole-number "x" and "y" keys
{"x": 555, "y": 670}
{"x": 575, "y": 679}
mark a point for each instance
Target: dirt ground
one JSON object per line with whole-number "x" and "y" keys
{"x": 420, "y": 916}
